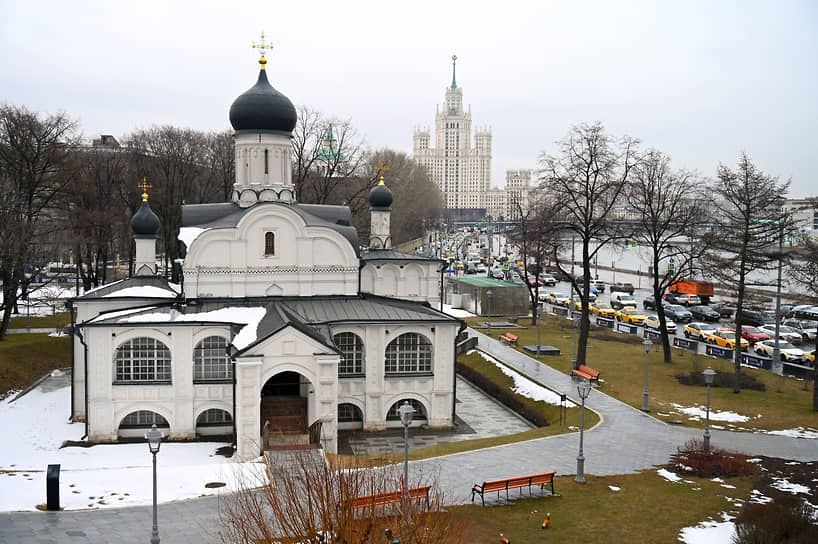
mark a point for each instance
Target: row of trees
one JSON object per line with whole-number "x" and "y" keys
{"x": 598, "y": 190}
{"x": 62, "y": 199}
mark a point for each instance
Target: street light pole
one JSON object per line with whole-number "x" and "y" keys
{"x": 406, "y": 411}
{"x": 584, "y": 389}
{"x": 154, "y": 437}
{"x": 648, "y": 344}
{"x": 538, "y": 317}
{"x": 709, "y": 374}
{"x": 777, "y": 368}
{"x": 488, "y": 323}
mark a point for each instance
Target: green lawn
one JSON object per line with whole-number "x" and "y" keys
{"x": 41, "y": 322}
{"x": 620, "y": 358}
{"x": 24, "y": 358}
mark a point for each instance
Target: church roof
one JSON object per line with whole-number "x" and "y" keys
{"x": 392, "y": 255}
{"x": 228, "y": 215}
{"x": 135, "y": 287}
{"x": 262, "y": 108}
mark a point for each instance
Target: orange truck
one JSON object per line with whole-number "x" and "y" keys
{"x": 693, "y": 287}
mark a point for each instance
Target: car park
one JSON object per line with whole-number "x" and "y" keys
{"x": 652, "y": 322}
{"x": 630, "y": 315}
{"x": 602, "y": 309}
{"x": 806, "y": 328}
{"x": 784, "y": 333}
{"x": 704, "y": 313}
{"x": 624, "y": 287}
{"x": 678, "y": 313}
{"x": 727, "y": 339}
{"x": 688, "y": 300}
{"x": 622, "y": 300}
{"x": 753, "y": 334}
{"x": 699, "y": 330}
{"x": 787, "y": 350}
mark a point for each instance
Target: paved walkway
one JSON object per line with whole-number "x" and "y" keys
{"x": 626, "y": 440}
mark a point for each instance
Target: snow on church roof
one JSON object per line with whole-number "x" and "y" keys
{"x": 145, "y": 291}
{"x": 135, "y": 287}
{"x": 188, "y": 234}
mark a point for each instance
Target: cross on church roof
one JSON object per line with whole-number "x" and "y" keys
{"x": 382, "y": 169}
{"x": 262, "y": 45}
{"x": 145, "y": 186}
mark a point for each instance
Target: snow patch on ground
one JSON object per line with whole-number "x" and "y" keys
{"x": 667, "y": 475}
{"x": 699, "y": 412}
{"x": 757, "y": 497}
{"x": 614, "y": 488}
{"x": 456, "y": 312}
{"x": 785, "y": 485}
{"x": 709, "y": 532}
{"x": 523, "y": 386}
{"x": 798, "y": 432}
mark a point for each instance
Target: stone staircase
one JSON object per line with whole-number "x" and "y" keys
{"x": 284, "y": 423}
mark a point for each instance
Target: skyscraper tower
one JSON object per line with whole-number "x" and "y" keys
{"x": 462, "y": 172}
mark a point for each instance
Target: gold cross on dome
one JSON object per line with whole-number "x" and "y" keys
{"x": 145, "y": 186}
{"x": 262, "y": 45}
{"x": 382, "y": 169}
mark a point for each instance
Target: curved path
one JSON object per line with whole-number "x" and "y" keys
{"x": 625, "y": 440}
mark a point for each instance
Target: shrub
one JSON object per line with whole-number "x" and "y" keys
{"x": 692, "y": 459}
{"x": 786, "y": 519}
{"x": 722, "y": 379}
{"x": 502, "y": 394}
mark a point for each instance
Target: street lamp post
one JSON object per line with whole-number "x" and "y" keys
{"x": 154, "y": 437}
{"x": 709, "y": 374}
{"x": 28, "y": 273}
{"x": 488, "y": 323}
{"x": 538, "y": 317}
{"x": 777, "y": 368}
{"x": 584, "y": 389}
{"x": 648, "y": 344}
{"x": 406, "y": 411}
{"x": 575, "y": 322}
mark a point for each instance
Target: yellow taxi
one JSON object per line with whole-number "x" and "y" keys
{"x": 630, "y": 315}
{"x": 602, "y": 309}
{"x": 578, "y": 305}
{"x": 726, "y": 339}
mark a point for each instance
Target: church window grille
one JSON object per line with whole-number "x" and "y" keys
{"x": 409, "y": 352}
{"x": 210, "y": 360}
{"x": 144, "y": 418}
{"x": 352, "y": 353}
{"x": 143, "y": 360}
{"x": 269, "y": 244}
{"x": 419, "y": 415}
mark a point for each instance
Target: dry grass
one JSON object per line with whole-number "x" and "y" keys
{"x": 41, "y": 322}
{"x": 24, "y": 358}
{"x": 620, "y": 358}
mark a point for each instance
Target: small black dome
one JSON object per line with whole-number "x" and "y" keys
{"x": 144, "y": 222}
{"x": 380, "y": 197}
{"x": 262, "y": 107}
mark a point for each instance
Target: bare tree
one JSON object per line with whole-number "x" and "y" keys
{"x": 587, "y": 175}
{"x": 312, "y": 502}
{"x": 35, "y": 166}
{"x": 220, "y": 167}
{"x": 748, "y": 224}
{"x": 670, "y": 213}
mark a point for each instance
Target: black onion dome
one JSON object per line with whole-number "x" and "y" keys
{"x": 262, "y": 107}
{"x": 144, "y": 222}
{"x": 380, "y": 197}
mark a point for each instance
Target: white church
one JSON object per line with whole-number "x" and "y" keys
{"x": 284, "y": 329}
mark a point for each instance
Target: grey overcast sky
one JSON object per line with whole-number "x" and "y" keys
{"x": 700, "y": 80}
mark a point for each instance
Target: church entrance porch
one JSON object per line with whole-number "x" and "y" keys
{"x": 284, "y": 412}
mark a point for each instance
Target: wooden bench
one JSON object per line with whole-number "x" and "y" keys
{"x": 586, "y": 372}
{"x": 390, "y": 497}
{"x": 520, "y": 482}
{"x": 509, "y": 338}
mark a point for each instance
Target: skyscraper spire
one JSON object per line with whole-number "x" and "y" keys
{"x": 454, "y": 62}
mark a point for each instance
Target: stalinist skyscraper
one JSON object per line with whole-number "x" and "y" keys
{"x": 462, "y": 172}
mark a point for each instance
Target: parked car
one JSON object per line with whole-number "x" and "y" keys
{"x": 624, "y": 287}
{"x": 805, "y": 311}
{"x": 592, "y": 293}
{"x": 621, "y": 300}
{"x": 784, "y": 333}
{"x": 723, "y": 308}
{"x": 600, "y": 285}
{"x": 678, "y": 313}
{"x": 753, "y": 334}
{"x": 755, "y": 318}
{"x": 806, "y": 328}
{"x": 602, "y": 309}
{"x": 649, "y": 303}
{"x": 652, "y": 322}
{"x": 630, "y": 315}
{"x": 699, "y": 330}
{"x": 688, "y": 300}
{"x": 726, "y": 339}
{"x": 811, "y": 357}
{"x": 670, "y": 297}
{"x": 548, "y": 280}
{"x": 557, "y": 298}
{"x": 704, "y": 313}
{"x": 787, "y": 350}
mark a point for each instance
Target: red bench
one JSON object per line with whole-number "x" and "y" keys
{"x": 586, "y": 372}
{"x": 546, "y": 478}
{"x": 509, "y": 338}
{"x": 390, "y": 497}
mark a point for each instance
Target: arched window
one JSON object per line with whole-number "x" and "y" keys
{"x": 143, "y": 418}
{"x": 352, "y": 350}
{"x": 269, "y": 243}
{"x": 349, "y": 413}
{"x": 142, "y": 360}
{"x": 266, "y": 162}
{"x": 214, "y": 417}
{"x": 210, "y": 360}
{"x": 409, "y": 352}
{"x": 419, "y": 415}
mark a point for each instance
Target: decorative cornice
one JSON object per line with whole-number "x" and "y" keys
{"x": 267, "y": 270}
